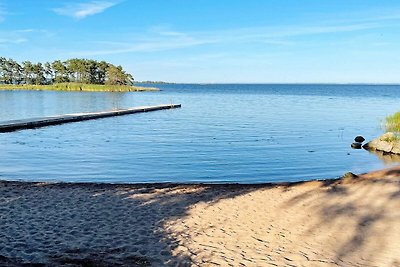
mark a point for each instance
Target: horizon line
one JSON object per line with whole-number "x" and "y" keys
{"x": 269, "y": 83}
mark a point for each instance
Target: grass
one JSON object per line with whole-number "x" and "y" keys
{"x": 393, "y": 123}
{"x": 391, "y": 139}
{"x": 77, "y": 87}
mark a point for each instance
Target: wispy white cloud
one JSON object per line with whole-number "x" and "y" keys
{"x": 20, "y": 36}
{"x": 12, "y": 40}
{"x": 171, "y": 40}
{"x": 24, "y": 31}
{"x": 368, "y": 15}
{"x": 3, "y": 12}
{"x": 153, "y": 43}
{"x": 84, "y": 9}
{"x": 163, "y": 38}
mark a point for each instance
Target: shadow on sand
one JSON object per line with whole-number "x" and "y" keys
{"x": 363, "y": 205}
{"x": 97, "y": 224}
{"x": 123, "y": 225}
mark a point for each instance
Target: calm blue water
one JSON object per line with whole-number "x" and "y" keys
{"x": 222, "y": 133}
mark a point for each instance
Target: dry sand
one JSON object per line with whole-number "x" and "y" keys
{"x": 348, "y": 222}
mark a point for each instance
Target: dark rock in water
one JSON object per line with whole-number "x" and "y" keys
{"x": 359, "y": 139}
{"x": 356, "y": 145}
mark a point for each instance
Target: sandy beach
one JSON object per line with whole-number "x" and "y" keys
{"x": 347, "y": 222}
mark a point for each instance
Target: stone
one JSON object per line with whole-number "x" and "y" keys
{"x": 359, "y": 139}
{"x": 356, "y": 145}
{"x": 349, "y": 176}
{"x": 385, "y": 147}
{"x": 396, "y": 148}
{"x": 388, "y": 143}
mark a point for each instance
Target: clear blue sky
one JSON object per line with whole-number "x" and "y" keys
{"x": 248, "y": 41}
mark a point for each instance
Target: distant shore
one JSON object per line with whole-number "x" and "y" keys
{"x": 78, "y": 87}
{"x": 353, "y": 221}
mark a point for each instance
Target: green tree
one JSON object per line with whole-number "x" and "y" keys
{"x": 102, "y": 67}
{"x": 92, "y": 68}
{"x": 38, "y": 72}
{"x": 27, "y": 67}
{"x": 7, "y": 69}
{"x": 74, "y": 69}
{"x": 17, "y": 72}
{"x": 78, "y": 70}
{"x": 3, "y": 69}
{"x": 60, "y": 72}
{"x": 117, "y": 76}
{"x": 48, "y": 71}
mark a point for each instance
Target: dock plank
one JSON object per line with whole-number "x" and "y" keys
{"x": 16, "y": 125}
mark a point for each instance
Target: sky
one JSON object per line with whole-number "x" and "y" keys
{"x": 213, "y": 41}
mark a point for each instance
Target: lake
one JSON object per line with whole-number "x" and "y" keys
{"x": 223, "y": 133}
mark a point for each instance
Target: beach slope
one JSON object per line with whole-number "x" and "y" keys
{"x": 348, "y": 222}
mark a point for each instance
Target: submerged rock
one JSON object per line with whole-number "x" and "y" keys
{"x": 356, "y": 145}
{"x": 388, "y": 143}
{"x": 359, "y": 139}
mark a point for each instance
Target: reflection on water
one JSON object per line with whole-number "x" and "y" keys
{"x": 387, "y": 158}
{"x": 29, "y": 104}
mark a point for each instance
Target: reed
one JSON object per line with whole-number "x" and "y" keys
{"x": 77, "y": 87}
{"x": 393, "y": 123}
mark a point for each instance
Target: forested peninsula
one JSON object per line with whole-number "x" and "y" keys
{"x": 70, "y": 75}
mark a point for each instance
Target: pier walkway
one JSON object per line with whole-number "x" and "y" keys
{"x": 15, "y": 125}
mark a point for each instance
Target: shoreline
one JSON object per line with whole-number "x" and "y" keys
{"x": 347, "y": 222}
{"x": 76, "y": 87}
{"x": 174, "y": 184}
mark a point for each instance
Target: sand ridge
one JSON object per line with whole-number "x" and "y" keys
{"x": 348, "y": 222}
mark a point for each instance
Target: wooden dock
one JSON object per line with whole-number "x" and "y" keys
{"x": 15, "y": 125}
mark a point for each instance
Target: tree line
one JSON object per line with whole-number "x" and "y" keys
{"x": 85, "y": 71}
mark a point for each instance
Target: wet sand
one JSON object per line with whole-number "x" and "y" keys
{"x": 347, "y": 222}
